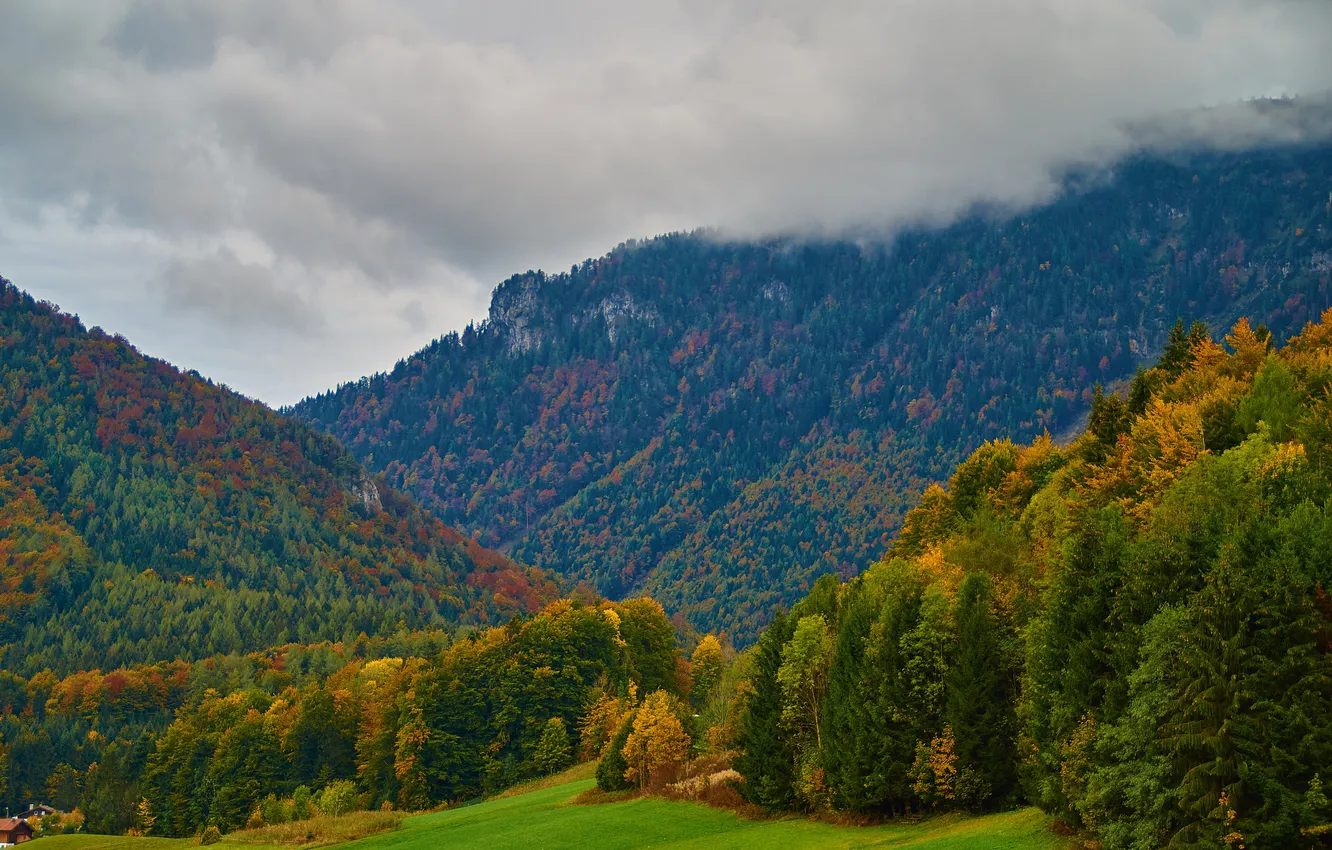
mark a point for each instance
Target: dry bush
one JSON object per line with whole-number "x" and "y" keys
{"x": 322, "y": 830}
{"x": 595, "y": 796}
{"x": 726, "y": 796}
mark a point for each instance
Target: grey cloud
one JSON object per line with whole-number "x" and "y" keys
{"x": 166, "y": 36}
{"x": 233, "y": 292}
{"x": 407, "y": 146}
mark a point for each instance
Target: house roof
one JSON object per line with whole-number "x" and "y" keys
{"x": 10, "y": 824}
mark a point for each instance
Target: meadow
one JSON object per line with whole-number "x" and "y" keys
{"x": 548, "y": 818}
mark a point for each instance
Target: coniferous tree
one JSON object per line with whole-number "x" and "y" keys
{"x": 980, "y": 699}
{"x": 612, "y": 765}
{"x": 767, "y": 759}
{"x": 848, "y": 713}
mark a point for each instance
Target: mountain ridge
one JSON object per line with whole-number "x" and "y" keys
{"x": 721, "y": 423}
{"x": 151, "y": 515}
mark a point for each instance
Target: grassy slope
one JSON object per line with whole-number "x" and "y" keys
{"x": 545, "y": 819}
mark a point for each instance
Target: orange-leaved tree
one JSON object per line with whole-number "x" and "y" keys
{"x": 657, "y": 741}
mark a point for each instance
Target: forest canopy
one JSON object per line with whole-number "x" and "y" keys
{"x": 147, "y": 514}
{"x": 720, "y": 423}
{"x": 1132, "y": 631}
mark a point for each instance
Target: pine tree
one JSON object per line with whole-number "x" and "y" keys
{"x": 767, "y": 758}
{"x": 1210, "y": 716}
{"x": 1108, "y": 419}
{"x": 612, "y": 766}
{"x": 979, "y": 708}
{"x": 847, "y": 716}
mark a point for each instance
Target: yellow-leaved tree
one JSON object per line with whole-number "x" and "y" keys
{"x": 657, "y": 742}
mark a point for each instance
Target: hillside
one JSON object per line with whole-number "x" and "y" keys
{"x": 547, "y": 819}
{"x": 721, "y": 423}
{"x": 412, "y": 721}
{"x": 1132, "y": 631}
{"x": 147, "y": 514}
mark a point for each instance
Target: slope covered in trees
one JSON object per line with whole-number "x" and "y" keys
{"x": 412, "y": 720}
{"x": 1133, "y": 632}
{"x": 146, "y": 514}
{"x": 719, "y": 424}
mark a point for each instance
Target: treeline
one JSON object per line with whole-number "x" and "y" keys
{"x": 147, "y": 514}
{"x": 717, "y": 424}
{"x": 171, "y": 749}
{"x": 1132, "y": 631}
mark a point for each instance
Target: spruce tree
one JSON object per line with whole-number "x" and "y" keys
{"x": 767, "y": 757}
{"x": 979, "y": 707}
{"x": 898, "y": 716}
{"x": 611, "y": 767}
{"x": 846, "y": 712}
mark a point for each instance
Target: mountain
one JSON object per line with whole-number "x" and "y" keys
{"x": 720, "y": 423}
{"x": 147, "y": 514}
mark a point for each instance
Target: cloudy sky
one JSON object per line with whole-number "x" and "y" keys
{"x": 288, "y": 195}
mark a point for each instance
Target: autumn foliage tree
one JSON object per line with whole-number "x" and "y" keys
{"x": 657, "y": 742}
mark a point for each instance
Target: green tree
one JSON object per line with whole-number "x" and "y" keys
{"x": 612, "y": 765}
{"x": 849, "y": 718}
{"x": 553, "y": 752}
{"x": 1109, "y": 417}
{"x": 302, "y": 803}
{"x": 109, "y": 795}
{"x": 980, "y": 698}
{"x": 338, "y": 798}
{"x": 62, "y": 786}
{"x": 803, "y": 677}
{"x": 650, "y": 638}
{"x": 767, "y": 755}
{"x": 706, "y": 669}
{"x": 1275, "y": 400}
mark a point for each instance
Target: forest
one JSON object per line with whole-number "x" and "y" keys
{"x": 411, "y": 721}
{"x": 1132, "y": 631}
{"x": 147, "y": 514}
{"x": 719, "y": 424}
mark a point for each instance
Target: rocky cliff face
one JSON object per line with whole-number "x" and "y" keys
{"x": 619, "y": 308}
{"x": 367, "y": 494}
{"x": 516, "y": 315}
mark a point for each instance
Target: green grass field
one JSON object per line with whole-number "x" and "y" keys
{"x": 546, "y": 819}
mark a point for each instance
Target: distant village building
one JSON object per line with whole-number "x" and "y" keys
{"x": 36, "y": 810}
{"x": 14, "y": 831}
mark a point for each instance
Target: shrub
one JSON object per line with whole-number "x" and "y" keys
{"x": 211, "y": 835}
{"x": 274, "y": 810}
{"x": 301, "y": 806}
{"x": 338, "y": 798}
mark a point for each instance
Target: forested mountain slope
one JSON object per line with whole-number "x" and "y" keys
{"x": 1132, "y": 631}
{"x": 146, "y": 514}
{"x": 412, "y": 720}
{"x": 721, "y": 423}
